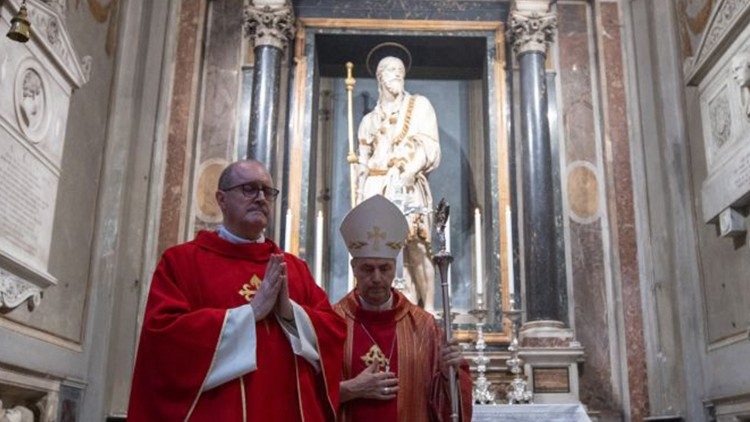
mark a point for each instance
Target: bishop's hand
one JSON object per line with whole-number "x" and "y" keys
{"x": 267, "y": 294}
{"x": 370, "y": 384}
{"x": 450, "y": 355}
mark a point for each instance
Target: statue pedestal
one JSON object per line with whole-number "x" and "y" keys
{"x": 551, "y": 356}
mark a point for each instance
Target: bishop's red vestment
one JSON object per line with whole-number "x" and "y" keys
{"x": 197, "y": 291}
{"x": 423, "y": 391}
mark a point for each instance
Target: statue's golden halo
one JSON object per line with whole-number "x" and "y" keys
{"x": 386, "y": 49}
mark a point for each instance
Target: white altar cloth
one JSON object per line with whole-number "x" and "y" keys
{"x": 530, "y": 413}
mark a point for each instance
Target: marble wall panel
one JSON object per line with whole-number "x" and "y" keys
{"x": 179, "y": 140}
{"x": 493, "y": 10}
{"x": 218, "y": 120}
{"x": 575, "y": 74}
{"x": 591, "y": 315}
{"x": 616, "y": 128}
{"x": 578, "y": 103}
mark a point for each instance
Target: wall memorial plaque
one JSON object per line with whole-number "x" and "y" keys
{"x": 40, "y": 77}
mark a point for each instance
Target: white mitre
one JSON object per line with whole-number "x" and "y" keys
{"x": 375, "y": 228}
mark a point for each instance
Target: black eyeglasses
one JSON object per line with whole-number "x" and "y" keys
{"x": 252, "y": 190}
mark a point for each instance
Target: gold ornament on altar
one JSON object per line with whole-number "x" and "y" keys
{"x": 20, "y": 27}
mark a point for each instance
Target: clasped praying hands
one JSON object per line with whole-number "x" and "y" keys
{"x": 273, "y": 293}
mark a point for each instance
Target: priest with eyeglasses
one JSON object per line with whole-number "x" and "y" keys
{"x": 234, "y": 328}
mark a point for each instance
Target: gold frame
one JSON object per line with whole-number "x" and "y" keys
{"x": 501, "y": 141}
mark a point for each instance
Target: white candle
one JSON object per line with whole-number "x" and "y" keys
{"x": 288, "y": 231}
{"x": 509, "y": 249}
{"x": 319, "y": 249}
{"x": 478, "y": 254}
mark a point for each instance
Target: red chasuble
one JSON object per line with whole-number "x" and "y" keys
{"x": 374, "y": 339}
{"x": 424, "y": 392}
{"x": 193, "y": 287}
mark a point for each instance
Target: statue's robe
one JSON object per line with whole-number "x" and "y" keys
{"x": 390, "y": 147}
{"x": 424, "y": 392}
{"x": 203, "y": 357}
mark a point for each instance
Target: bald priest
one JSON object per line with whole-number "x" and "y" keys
{"x": 235, "y": 329}
{"x": 395, "y": 360}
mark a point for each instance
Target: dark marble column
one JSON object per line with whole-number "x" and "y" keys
{"x": 532, "y": 31}
{"x": 269, "y": 26}
{"x": 265, "y": 103}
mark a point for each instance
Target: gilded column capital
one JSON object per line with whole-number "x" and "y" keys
{"x": 269, "y": 22}
{"x": 532, "y": 30}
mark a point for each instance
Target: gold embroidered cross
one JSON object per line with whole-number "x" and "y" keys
{"x": 248, "y": 289}
{"x": 375, "y": 355}
{"x": 376, "y": 235}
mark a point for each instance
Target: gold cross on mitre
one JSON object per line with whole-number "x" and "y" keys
{"x": 375, "y": 355}
{"x": 376, "y": 235}
{"x": 248, "y": 289}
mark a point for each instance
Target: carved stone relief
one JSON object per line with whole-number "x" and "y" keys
{"x": 532, "y": 31}
{"x": 269, "y": 22}
{"x": 25, "y": 396}
{"x": 31, "y": 102}
{"x": 724, "y": 88}
{"x": 14, "y": 291}
{"x": 741, "y": 75}
{"x": 15, "y": 414}
{"x": 724, "y": 18}
{"x": 59, "y": 6}
{"x": 721, "y": 120}
{"x": 724, "y": 21}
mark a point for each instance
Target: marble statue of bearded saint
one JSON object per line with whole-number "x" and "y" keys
{"x": 398, "y": 148}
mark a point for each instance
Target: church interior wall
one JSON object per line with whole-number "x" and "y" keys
{"x": 717, "y": 132}
{"x": 599, "y": 241}
{"x": 653, "y": 292}
{"x": 593, "y": 294}
{"x": 64, "y": 306}
{"x": 686, "y": 269}
{"x": 115, "y": 126}
{"x": 44, "y": 352}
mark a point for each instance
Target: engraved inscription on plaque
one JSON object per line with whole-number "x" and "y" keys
{"x": 728, "y": 186}
{"x": 28, "y": 189}
{"x": 551, "y": 380}
{"x": 740, "y": 176}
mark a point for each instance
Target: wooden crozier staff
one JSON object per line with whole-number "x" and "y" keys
{"x": 443, "y": 261}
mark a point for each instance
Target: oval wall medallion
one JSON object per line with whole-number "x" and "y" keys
{"x": 205, "y": 193}
{"x": 583, "y": 192}
{"x": 31, "y": 101}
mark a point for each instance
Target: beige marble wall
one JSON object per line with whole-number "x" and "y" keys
{"x": 598, "y": 197}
